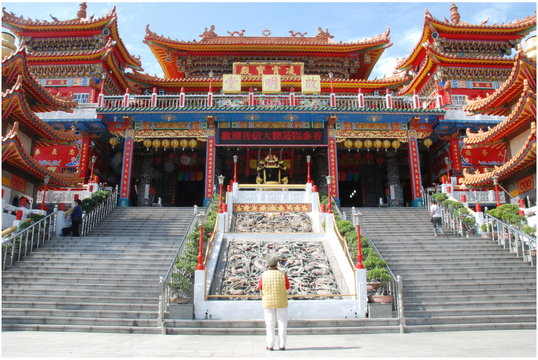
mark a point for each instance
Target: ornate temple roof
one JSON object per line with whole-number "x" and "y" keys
{"x": 435, "y": 59}
{"x": 525, "y": 158}
{"x": 457, "y": 29}
{"x": 79, "y": 26}
{"x": 522, "y": 113}
{"x": 298, "y": 44}
{"x": 16, "y": 107}
{"x": 15, "y": 66}
{"x": 14, "y": 154}
{"x": 523, "y": 72}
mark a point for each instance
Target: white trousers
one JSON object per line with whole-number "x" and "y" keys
{"x": 272, "y": 317}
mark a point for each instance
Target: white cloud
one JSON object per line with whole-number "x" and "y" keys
{"x": 410, "y": 38}
{"x": 384, "y": 67}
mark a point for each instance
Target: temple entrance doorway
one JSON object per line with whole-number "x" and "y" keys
{"x": 373, "y": 178}
{"x": 293, "y": 158}
{"x": 175, "y": 176}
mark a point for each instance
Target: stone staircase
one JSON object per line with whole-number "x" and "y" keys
{"x": 107, "y": 281}
{"x": 295, "y": 327}
{"x": 452, "y": 283}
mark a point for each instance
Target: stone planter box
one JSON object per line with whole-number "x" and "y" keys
{"x": 376, "y": 310}
{"x": 181, "y": 311}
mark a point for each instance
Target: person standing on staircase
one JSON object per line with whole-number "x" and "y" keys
{"x": 76, "y": 218}
{"x": 274, "y": 284}
{"x": 437, "y": 220}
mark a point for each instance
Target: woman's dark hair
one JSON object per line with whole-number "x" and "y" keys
{"x": 78, "y": 201}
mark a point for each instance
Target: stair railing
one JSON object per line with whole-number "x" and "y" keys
{"x": 508, "y": 236}
{"x": 164, "y": 281}
{"x": 395, "y": 287}
{"x": 19, "y": 243}
{"x": 93, "y": 217}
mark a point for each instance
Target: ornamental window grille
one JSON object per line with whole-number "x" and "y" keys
{"x": 81, "y": 98}
{"x": 458, "y": 100}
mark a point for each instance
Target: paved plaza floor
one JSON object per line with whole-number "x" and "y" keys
{"x": 464, "y": 344}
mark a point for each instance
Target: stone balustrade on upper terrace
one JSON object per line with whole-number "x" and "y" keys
{"x": 269, "y": 102}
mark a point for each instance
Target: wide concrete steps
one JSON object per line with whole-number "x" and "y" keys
{"x": 452, "y": 283}
{"x": 295, "y": 327}
{"x": 96, "y": 283}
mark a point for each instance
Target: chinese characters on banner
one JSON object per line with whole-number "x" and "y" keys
{"x": 126, "y": 171}
{"x": 272, "y": 136}
{"x": 231, "y": 83}
{"x": 256, "y": 69}
{"x": 270, "y": 84}
{"x": 525, "y": 184}
{"x": 84, "y": 157}
{"x": 484, "y": 155}
{"x": 18, "y": 184}
{"x": 333, "y": 166}
{"x": 455, "y": 155}
{"x": 209, "y": 167}
{"x": 311, "y": 84}
{"x": 57, "y": 157}
{"x": 415, "y": 169}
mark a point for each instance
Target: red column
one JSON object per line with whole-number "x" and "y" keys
{"x": 414, "y": 169}
{"x": 333, "y": 165}
{"x": 125, "y": 186}
{"x": 209, "y": 167}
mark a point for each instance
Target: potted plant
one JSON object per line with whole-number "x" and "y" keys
{"x": 486, "y": 231}
{"x": 380, "y": 275}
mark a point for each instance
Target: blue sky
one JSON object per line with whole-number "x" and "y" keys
{"x": 346, "y": 21}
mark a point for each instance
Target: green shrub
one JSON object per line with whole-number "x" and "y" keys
{"x": 378, "y": 275}
{"x": 508, "y": 213}
{"x": 439, "y": 197}
{"x": 373, "y": 261}
{"x": 529, "y": 230}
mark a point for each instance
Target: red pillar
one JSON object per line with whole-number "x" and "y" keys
{"x": 414, "y": 169}
{"x": 209, "y": 168}
{"x": 125, "y": 185}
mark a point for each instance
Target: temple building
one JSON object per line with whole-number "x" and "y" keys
{"x": 23, "y": 134}
{"x": 231, "y": 100}
{"x": 516, "y": 100}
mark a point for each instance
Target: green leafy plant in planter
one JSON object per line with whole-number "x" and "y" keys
{"x": 508, "y": 213}
{"x": 183, "y": 279}
{"x": 439, "y": 197}
{"x": 529, "y": 230}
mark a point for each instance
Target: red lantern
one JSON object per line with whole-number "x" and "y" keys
{"x": 380, "y": 160}
{"x": 369, "y": 157}
{"x": 157, "y": 160}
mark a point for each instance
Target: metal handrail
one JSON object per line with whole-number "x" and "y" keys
{"x": 164, "y": 297}
{"x": 22, "y": 242}
{"x": 508, "y": 236}
{"x": 93, "y": 217}
{"x": 395, "y": 283}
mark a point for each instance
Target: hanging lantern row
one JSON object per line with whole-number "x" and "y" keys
{"x": 174, "y": 144}
{"x": 369, "y": 144}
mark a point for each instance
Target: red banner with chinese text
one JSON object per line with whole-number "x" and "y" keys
{"x": 489, "y": 155}
{"x": 333, "y": 166}
{"x": 126, "y": 170}
{"x": 209, "y": 167}
{"x": 56, "y": 157}
{"x": 414, "y": 169}
{"x": 455, "y": 155}
{"x": 18, "y": 184}
{"x": 525, "y": 184}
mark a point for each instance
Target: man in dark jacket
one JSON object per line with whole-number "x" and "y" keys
{"x": 76, "y": 218}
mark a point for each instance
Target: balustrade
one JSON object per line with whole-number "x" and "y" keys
{"x": 226, "y": 101}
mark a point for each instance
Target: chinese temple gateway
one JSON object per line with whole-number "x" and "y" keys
{"x": 286, "y": 110}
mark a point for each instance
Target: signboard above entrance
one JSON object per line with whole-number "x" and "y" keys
{"x": 263, "y": 137}
{"x": 256, "y": 69}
